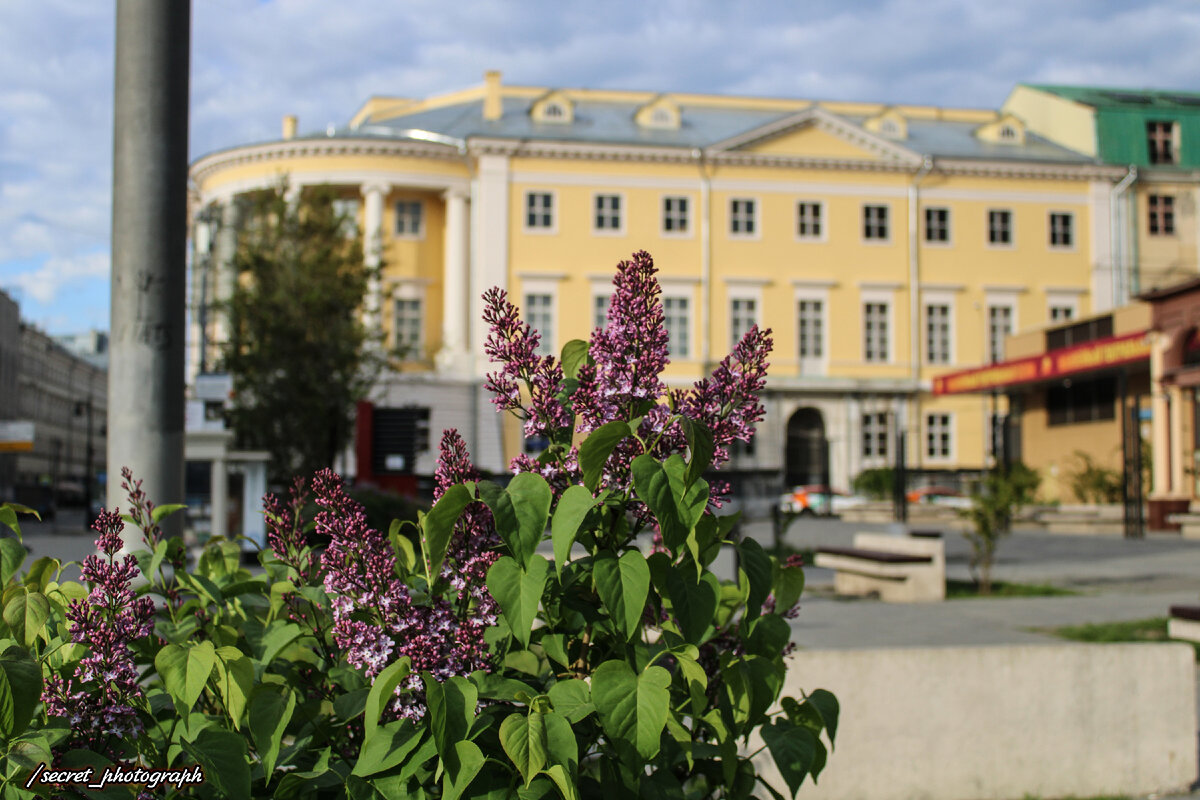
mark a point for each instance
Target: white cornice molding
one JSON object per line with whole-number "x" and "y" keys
{"x": 880, "y": 286}
{"x": 814, "y": 283}
{"x": 992, "y": 288}
{"x": 943, "y": 287}
{"x": 1061, "y": 290}
{"x": 529, "y": 275}
{"x": 1029, "y": 169}
{"x": 206, "y": 166}
{"x": 746, "y": 280}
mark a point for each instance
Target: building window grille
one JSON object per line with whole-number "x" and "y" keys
{"x": 742, "y": 217}
{"x": 875, "y": 332}
{"x": 675, "y": 214}
{"x": 937, "y": 333}
{"x": 539, "y": 313}
{"x": 875, "y": 223}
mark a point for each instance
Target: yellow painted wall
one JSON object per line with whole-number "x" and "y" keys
{"x": 1063, "y": 121}
{"x": 810, "y": 141}
{"x": 1166, "y": 259}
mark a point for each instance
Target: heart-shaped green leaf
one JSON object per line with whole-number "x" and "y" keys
{"x": 185, "y": 670}
{"x": 270, "y": 711}
{"x": 596, "y": 448}
{"x": 572, "y": 509}
{"x": 793, "y": 749}
{"x": 693, "y": 603}
{"x": 460, "y": 769}
{"x": 26, "y": 615}
{"x": 633, "y": 708}
{"x": 523, "y": 737}
{"x": 438, "y": 526}
{"x": 518, "y": 591}
{"x": 623, "y": 584}
{"x": 754, "y": 566}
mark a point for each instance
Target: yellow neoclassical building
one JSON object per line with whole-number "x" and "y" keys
{"x": 884, "y": 245}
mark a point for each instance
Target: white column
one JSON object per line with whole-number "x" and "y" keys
{"x": 489, "y": 250}
{"x": 219, "y": 501}
{"x": 224, "y": 249}
{"x": 254, "y": 486}
{"x": 1160, "y": 435}
{"x": 455, "y": 276}
{"x": 1178, "y": 473}
{"x": 373, "y": 194}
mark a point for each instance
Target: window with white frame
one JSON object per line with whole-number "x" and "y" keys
{"x": 539, "y": 313}
{"x": 875, "y": 223}
{"x": 407, "y": 325}
{"x": 937, "y": 333}
{"x": 810, "y": 321}
{"x": 410, "y": 221}
{"x": 742, "y": 221}
{"x": 678, "y": 323}
{"x": 554, "y": 111}
{"x": 1161, "y": 214}
{"x": 938, "y": 436}
{"x": 1000, "y": 325}
{"x": 875, "y": 332}
{"x": 875, "y": 435}
{"x": 937, "y": 225}
{"x": 675, "y": 215}
{"x": 607, "y": 216}
{"x": 809, "y": 220}
{"x": 1062, "y": 226}
{"x": 1160, "y": 142}
{"x": 1000, "y": 228}
{"x": 743, "y": 315}
{"x": 600, "y": 304}
{"x": 1061, "y": 313}
{"x": 539, "y": 210}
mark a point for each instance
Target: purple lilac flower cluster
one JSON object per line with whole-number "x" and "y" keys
{"x": 99, "y": 700}
{"x": 628, "y": 356}
{"x": 285, "y": 530}
{"x": 376, "y": 619}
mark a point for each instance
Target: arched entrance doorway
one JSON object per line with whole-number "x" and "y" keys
{"x": 806, "y": 459}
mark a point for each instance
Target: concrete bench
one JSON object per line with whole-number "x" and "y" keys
{"x": 1184, "y": 623}
{"x": 1189, "y": 524}
{"x": 899, "y": 569}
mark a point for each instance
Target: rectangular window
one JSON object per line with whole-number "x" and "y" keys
{"x": 743, "y": 315}
{"x": 1061, "y": 229}
{"x": 407, "y": 328}
{"x": 1000, "y": 227}
{"x": 1082, "y": 401}
{"x": 539, "y": 313}
{"x": 675, "y": 215}
{"x": 1160, "y": 142}
{"x": 678, "y": 323}
{"x": 539, "y": 210}
{"x": 742, "y": 217}
{"x": 937, "y": 333}
{"x": 875, "y": 435}
{"x": 1162, "y": 214}
{"x": 1062, "y": 313}
{"x": 409, "y": 218}
{"x": 875, "y": 223}
{"x": 811, "y": 322}
{"x": 600, "y": 305}
{"x": 937, "y": 435}
{"x": 808, "y": 220}
{"x": 937, "y": 225}
{"x": 875, "y": 332}
{"x": 608, "y": 212}
{"x": 1000, "y": 321}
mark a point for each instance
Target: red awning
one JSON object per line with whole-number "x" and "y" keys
{"x": 1100, "y": 354}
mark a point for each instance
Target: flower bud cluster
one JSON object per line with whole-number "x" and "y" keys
{"x": 100, "y": 700}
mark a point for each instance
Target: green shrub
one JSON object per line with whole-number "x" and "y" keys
{"x": 876, "y": 483}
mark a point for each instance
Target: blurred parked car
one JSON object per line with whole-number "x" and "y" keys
{"x": 818, "y": 499}
{"x": 939, "y": 496}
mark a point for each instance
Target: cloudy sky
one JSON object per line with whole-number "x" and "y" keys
{"x": 253, "y": 62}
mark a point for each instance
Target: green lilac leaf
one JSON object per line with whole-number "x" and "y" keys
{"x": 755, "y": 566}
{"x": 270, "y": 711}
{"x": 223, "y": 756}
{"x": 793, "y": 748}
{"x": 461, "y": 769}
{"x": 12, "y": 556}
{"x": 26, "y": 615}
{"x": 574, "y": 356}
{"x": 438, "y": 526}
{"x": 185, "y": 670}
{"x": 382, "y": 692}
{"x": 523, "y": 737}
{"x": 827, "y": 706}
{"x": 572, "y": 699}
{"x": 623, "y": 585}
{"x": 789, "y": 584}
{"x": 693, "y": 603}
{"x": 700, "y": 445}
{"x": 387, "y": 747}
{"x": 518, "y": 592}
{"x": 633, "y": 708}
{"x": 597, "y": 447}
{"x": 531, "y": 499}
{"x": 573, "y": 508}
{"x": 451, "y": 709}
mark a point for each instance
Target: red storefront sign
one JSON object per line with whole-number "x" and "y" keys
{"x": 1100, "y": 354}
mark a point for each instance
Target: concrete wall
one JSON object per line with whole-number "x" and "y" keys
{"x": 984, "y": 723}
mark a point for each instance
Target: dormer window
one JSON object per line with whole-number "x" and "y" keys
{"x": 554, "y": 108}
{"x": 662, "y": 113}
{"x": 1008, "y": 133}
{"x": 888, "y": 127}
{"x": 660, "y": 116}
{"x": 554, "y": 111}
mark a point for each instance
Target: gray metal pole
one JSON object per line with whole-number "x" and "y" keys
{"x": 149, "y": 240}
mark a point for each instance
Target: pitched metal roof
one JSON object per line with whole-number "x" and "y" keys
{"x": 1104, "y": 97}
{"x": 614, "y": 123}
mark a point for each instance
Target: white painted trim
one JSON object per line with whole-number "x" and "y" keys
{"x": 691, "y": 215}
{"x": 606, "y": 180}
{"x": 676, "y": 280}
{"x": 880, "y": 287}
{"x": 877, "y": 297}
{"x": 940, "y": 297}
{"x": 983, "y": 196}
{"x": 530, "y": 275}
{"x": 750, "y": 293}
{"x": 1075, "y": 232}
{"x": 952, "y": 425}
{"x": 1002, "y": 299}
{"x": 543, "y": 287}
{"x": 816, "y": 283}
{"x": 622, "y": 214}
{"x": 756, "y": 218}
{"x": 397, "y": 180}
{"x": 810, "y": 365}
{"x": 942, "y": 287}
{"x": 996, "y": 288}
{"x": 1066, "y": 290}
{"x": 937, "y": 245}
{"x": 554, "y": 210}
{"x": 419, "y": 236}
{"x": 798, "y": 188}
{"x": 823, "y": 236}
{"x": 862, "y": 223}
{"x": 679, "y": 292}
{"x": 734, "y": 280}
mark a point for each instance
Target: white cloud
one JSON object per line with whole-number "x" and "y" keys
{"x": 253, "y": 62}
{"x": 44, "y": 283}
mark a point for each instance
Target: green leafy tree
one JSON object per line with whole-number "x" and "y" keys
{"x": 994, "y": 502}
{"x": 299, "y": 352}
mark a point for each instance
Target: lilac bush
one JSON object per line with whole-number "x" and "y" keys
{"x": 454, "y": 657}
